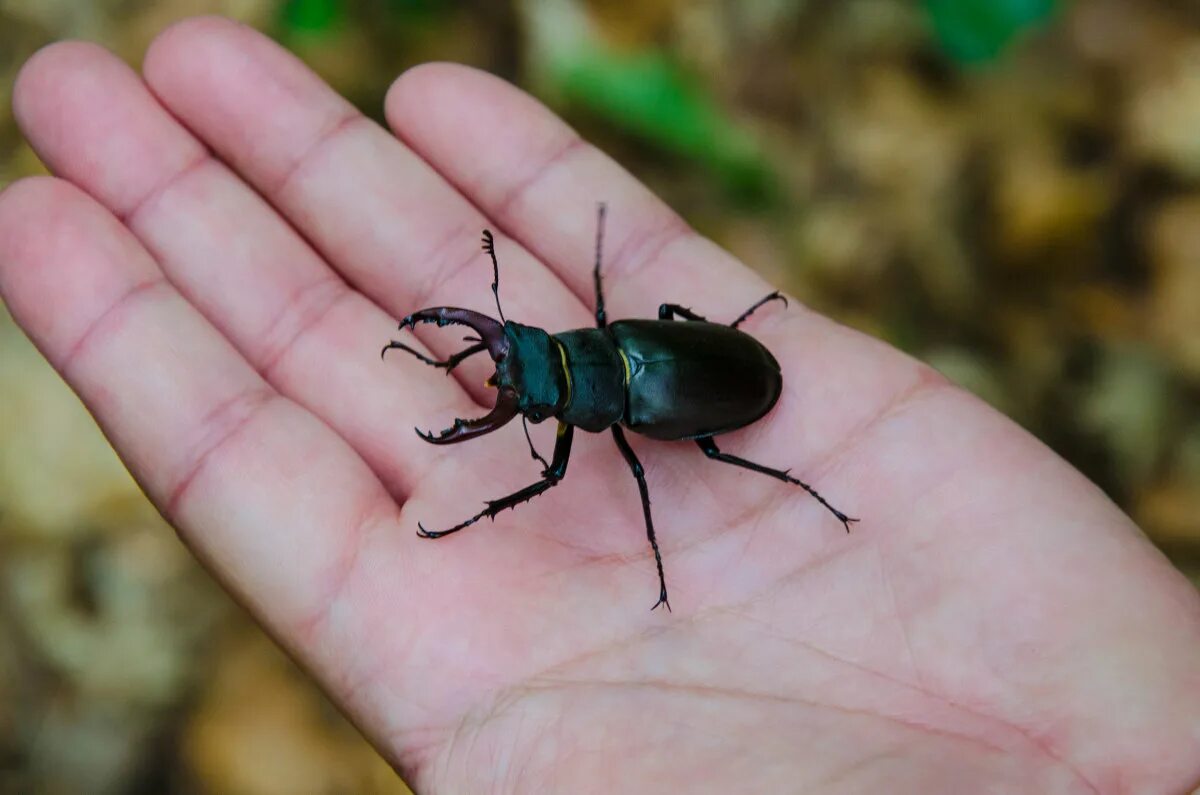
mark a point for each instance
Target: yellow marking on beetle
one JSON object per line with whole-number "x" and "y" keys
{"x": 562, "y": 428}
{"x": 562, "y": 352}
{"x": 625, "y": 360}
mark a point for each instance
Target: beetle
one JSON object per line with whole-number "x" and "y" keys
{"x": 664, "y": 379}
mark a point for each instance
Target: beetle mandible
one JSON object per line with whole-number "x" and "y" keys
{"x": 661, "y": 378}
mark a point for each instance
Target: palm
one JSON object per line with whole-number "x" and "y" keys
{"x": 992, "y": 619}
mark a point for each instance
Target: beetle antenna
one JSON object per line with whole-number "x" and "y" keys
{"x": 533, "y": 450}
{"x": 489, "y": 246}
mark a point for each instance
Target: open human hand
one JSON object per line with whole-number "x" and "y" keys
{"x": 225, "y": 247}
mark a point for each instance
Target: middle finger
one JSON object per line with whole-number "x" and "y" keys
{"x": 378, "y": 212}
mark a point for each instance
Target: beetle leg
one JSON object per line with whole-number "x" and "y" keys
{"x": 669, "y": 311}
{"x": 601, "y": 318}
{"x": 550, "y": 477}
{"x": 712, "y": 451}
{"x": 640, "y": 475}
{"x": 449, "y": 363}
{"x": 775, "y": 296}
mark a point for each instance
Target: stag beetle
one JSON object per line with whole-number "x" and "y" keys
{"x": 661, "y": 378}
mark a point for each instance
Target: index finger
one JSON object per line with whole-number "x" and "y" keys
{"x": 540, "y": 181}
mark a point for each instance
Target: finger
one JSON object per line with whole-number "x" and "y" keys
{"x": 533, "y": 174}
{"x": 377, "y": 212}
{"x": 311, "y": 336}
{"x": 274, "y": 501}
{"x": 836, "y": 381}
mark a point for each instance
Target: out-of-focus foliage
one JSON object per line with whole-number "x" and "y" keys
{"x": 643, "y": 90}
{"x": 311, "y": 16}
{"x": 1009, "y": 189}
{"x": 978, "y": 30}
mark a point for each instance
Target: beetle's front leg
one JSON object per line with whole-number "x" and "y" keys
{"x": 550, "y": 477}
{"x": 640, "y": 475}
{"x": 601, "y": 317}
{"x": 669, "y": 311}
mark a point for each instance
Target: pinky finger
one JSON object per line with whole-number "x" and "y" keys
{"x": 273, "y": 500}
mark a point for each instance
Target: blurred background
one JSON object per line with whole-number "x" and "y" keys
{"x": 1008, "y": 189}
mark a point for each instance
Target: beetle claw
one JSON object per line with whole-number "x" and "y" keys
{"x": 491, "y": 332}
{"x": 461, "y": 430}
{"x": 443, "y": 435}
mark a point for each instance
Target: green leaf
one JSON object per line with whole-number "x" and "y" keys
{"x": 976, "y": 31}
{"x": 647, "y": 94}
{"x": 311, "y": 16}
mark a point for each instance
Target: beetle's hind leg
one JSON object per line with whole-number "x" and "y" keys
{"x": 712, "y": 451}
{"x": 775, "y": 296}
{"x": 450, "y": 363}
{"x": 551, "y": 477}
{"x": 601, "y": 317}
{"x": 670, "y": 311}
{"x": 640, "y": 475}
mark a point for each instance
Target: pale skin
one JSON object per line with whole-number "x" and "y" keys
{"x": 224, "y": 249}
